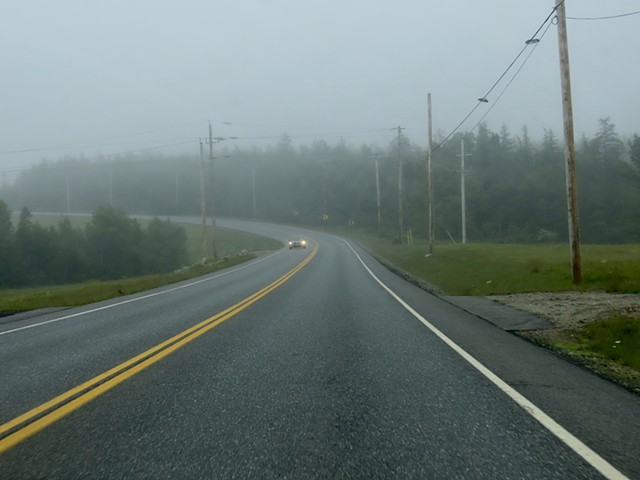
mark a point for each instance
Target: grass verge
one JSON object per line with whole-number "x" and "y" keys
{"x": 23, "y": 299}
{"x": 498, "y": 269}
{"x": 610, "y": 347}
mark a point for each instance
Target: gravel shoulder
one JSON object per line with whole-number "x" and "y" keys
{"x": 573, "y": 309}
{"x": 568, "y": 311}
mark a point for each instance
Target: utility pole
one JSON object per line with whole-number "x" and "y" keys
{"x": 253, "y": 189}
{"x": 213, "y": 206}
{"x": 325, "y": 215}
{"x": 378, "y": 196}
{"x": 430, "y": 176}
{"x": 569, "y": 149}
{"x": 463, "y": 200}
{"x": 400, "y": 188}
{"x": 203, "y": 208}
{"x": 68, "y": 194}
{"x": 177, "y": 190}
{"x": 111, "y": 187}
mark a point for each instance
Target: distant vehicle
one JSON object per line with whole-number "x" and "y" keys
{"x": 300, "y": 243}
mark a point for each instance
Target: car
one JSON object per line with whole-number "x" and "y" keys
{"x": 299, "y": 243}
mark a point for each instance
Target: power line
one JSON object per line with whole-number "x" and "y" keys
{"x": 306, "y": 127}
{"x": 531, "y": 41}
{"x": 99, "y": 142}
{"x": 605, "y": 18}
{"x": 531, "y": 53}
{"x": 351, "y": 133}
{"x": 157, "y": 147}
{"x": 13, "y": 170}
{"x": 497, "y": 100}
{"x": 87, "y": 145}
{"x": 355, "y": 134}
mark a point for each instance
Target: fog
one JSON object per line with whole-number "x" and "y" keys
{"x": 82, "y": 77}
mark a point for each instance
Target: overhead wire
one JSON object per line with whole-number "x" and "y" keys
{"x": 11, "y": 170}
{"x": 495, "y": 102}
{"x": 349, "y": 134}
{"x": 156, "y": 147}
{"x": 484, "y": 98}
{"x": 605, "y": 18}
{"x": 98, "y": 142}
{"x": 343, "y": 134}
{"x": 88, "y": 145}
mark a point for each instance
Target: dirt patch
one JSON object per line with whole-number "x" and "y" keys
{"x": 573, "y": 309}
{"x": 568, "y": 311}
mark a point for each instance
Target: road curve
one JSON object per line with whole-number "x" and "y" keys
{"x": 325, "y": 375}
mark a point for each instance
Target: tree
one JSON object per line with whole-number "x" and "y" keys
{"x": 114, "y": 243}
{"x": 164, "y": 246}
{"x": 35, "y": 246}
{"x": 609, "y": 146}
{"x": 6, "y": 231}
{"x": 72, "y": 261}
{"x": 525, "y": 150}
{"x": 634, "y": 153}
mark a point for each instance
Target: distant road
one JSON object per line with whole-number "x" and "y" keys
{"x": 304, "y": 363}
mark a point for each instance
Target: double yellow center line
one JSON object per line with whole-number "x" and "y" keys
{"x": 35, "y": 420}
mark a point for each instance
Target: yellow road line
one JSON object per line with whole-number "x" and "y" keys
{"x": 65, "y": 403}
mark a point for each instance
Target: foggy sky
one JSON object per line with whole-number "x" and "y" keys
{"x": 89, "y": 76}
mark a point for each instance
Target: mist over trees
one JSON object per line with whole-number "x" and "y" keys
{"x": 515, "y": 186}
{"x": 111, "y": 246}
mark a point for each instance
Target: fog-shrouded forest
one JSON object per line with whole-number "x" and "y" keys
{"x": 515, "y": 185}
{"x": 110, "y": 246}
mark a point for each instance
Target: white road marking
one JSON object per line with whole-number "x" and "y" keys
{"x": 59, "y": 319}
{"x": 591, "y": 457}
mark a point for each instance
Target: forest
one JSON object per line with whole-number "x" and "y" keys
{"x": 111, "y": 246}
{"x": 514, "y": 185}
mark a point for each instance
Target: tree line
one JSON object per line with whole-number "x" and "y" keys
{"x": 111, "y": 246}
{"x": 515, "y": 185}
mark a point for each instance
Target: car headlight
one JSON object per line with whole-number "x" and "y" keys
{"x": 304, "y": 242}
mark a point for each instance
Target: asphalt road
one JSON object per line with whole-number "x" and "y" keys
{"x": 325, "y": 374}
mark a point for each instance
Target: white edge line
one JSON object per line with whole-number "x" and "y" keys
{"x": 227, "y": 272}
{"x": 591, "y": 457}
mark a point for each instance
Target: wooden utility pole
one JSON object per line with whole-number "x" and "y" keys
{"x": 378, "y": 197}
{"x": 253, "y": 190}
{"x": 430, "y": 175}
{"x": 463, "y": 199}
{"x": 213, "y": 205}
{"x": 203, "y": 207}
{"x": 177, "y": 191}
{"x": 111, "y": 187}
{"x": 569, "y": 148}
{"x": 400, "y": 188}
{"x": 68, "y": 194}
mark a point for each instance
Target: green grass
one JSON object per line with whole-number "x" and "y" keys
{"x": 493, "y": 269}
{"x": 616, "y": 339}
{"x": 23, "y": 299}
{"x": 233, "y": 247}
{"x": 228, "y": 242}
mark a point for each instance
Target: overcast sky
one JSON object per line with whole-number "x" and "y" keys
{"x": 89, "y": 76}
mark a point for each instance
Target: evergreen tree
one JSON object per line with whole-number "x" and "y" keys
{"x": 6, "y": 242}
{"x": 114, "y": 243}
{"x": 634, "y": 153}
